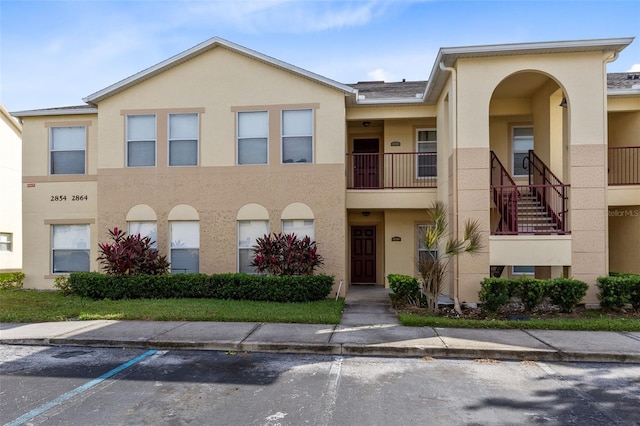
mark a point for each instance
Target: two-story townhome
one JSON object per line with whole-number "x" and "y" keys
{"x": 218, "y": 145}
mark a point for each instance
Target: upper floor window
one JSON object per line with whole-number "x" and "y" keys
{"x": 70, "y": 248}
{"x": 183, "y": 139}
{"x": 253, "y": 137}
{"x": 141, "y": 140}
{"x": 427, "y": 142}
{"x": 68, "y": 145}
{"x": 297, "y": 136}
{"x": 522, "y": 142}
{"x": 6, "y": 241}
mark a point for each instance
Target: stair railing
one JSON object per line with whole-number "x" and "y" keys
{"x": 548, "y": 189}
{"x": 505, "y": 197}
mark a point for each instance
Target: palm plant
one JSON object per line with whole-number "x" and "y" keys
{"x": 434, "y": 264}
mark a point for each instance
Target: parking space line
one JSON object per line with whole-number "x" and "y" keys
{"x": 37, "y": 411}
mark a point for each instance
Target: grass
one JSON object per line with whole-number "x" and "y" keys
{"x": 596, "y": 321}
{"x": 46, "y": 306}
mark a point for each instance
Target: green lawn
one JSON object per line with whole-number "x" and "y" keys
{"x": 44, "y": 306}
{"x": 595, "y": 321}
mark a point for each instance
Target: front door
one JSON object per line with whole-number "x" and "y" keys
{"x": 366, "y": 164}
{"x": 363, "y": 255}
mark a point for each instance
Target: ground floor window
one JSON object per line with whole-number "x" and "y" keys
{"x": 6, "y": 239}
{"x": 145, "y": 229}
{"x": 248, "y": 232}
{"x": 424, "y": 253}
{"x": 185, "y": 247}
{"x": 70, "y": 248}
{"x": 518, "y": 270}
{"x": 302, "y": 228}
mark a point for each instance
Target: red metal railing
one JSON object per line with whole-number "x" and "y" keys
{"x": 505, "y": 196}
{"x": 624, "y": 165}
{"x": 548, "y": 189}
{"x": 393, "y": 170}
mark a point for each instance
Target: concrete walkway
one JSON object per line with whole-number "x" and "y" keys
{"x": 369, "y": 327}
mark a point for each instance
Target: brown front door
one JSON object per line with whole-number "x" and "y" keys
{"x": 366, "y": 164}
{"x": 363, "y": 255}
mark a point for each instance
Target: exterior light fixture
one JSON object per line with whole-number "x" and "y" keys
{"x": 366, "y": 123}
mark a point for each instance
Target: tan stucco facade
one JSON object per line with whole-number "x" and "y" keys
{"x": 10, "y": 176}
{"x": 471, "y": 104}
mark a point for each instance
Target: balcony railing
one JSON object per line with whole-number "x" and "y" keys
{"x": 624, "y": 165}
{"x": 392, "y": 170}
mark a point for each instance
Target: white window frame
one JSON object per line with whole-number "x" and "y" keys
{"x": 515, "y": 151}
{"x": 248, "y": 244}
{"x": 155, "y": 139}
{"x": 6, "y": 241}
{"x": 300, "y": 227}
{"x": 52, "y": 151}
{"x": 284, "y": 136}
{"x": 418, "y": 143}
{"x": 80, "y": 247}
{"x": 178, "y": 140}
{"x": 173, "y": 244}
{"x": 131, "y": 225}
{"x": 240, "y": 138}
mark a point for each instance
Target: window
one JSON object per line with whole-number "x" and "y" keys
{"x": 248, "y": 232}
{"x": 145, "y": 229}
{"x": 68, "y": 146}
{"x": 523, "y": 270}
{"x": 522, "y": 142}
{"x": 6, "y": 241}
{"x": 423, "y": 252}
{"x": 297, "y": 136}
{"x": 253, "y": 137}
{"x": 183, "y": 139}
{"x": 427, "y": 141}
{"x": 185, "y": 247}
{"x": 70, "y": 248}
{"x": 302, "y": 228}
{"x": 141, "y": 140}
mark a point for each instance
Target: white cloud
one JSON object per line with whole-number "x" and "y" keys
{"x": 635, "y": 68}
{"x": 378, "y": 75}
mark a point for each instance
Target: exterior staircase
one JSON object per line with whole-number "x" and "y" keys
{"x": 533, "y": 216}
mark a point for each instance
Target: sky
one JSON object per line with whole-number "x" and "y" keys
{"x": 55, "y": 53}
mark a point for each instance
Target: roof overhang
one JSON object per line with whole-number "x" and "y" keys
{"x": 78, "y": 110}
{"x": 448, "y": 56}
{"x": 202, "y": 48}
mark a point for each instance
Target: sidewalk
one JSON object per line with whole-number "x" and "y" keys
{"x": 369, "y": 328}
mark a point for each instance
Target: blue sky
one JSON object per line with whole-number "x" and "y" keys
{"x": 54, "y": 53}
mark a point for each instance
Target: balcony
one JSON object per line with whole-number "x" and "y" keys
{"x": 624, "y": 165}
{"x": 396, "y": 170}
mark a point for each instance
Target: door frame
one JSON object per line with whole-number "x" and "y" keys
{"x": 367, "y": 147}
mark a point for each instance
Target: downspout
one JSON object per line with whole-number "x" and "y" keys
{"x": 454, "y": 137}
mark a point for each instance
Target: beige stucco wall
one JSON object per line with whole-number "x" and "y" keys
{"x": 11, "y": 177}
{"x": 624, "y": 239}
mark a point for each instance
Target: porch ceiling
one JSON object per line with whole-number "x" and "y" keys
{"x": 521, "y": 85}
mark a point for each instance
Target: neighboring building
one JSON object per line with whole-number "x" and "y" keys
{"x": 221, "y": 144}
{"x": 11, "y": 193}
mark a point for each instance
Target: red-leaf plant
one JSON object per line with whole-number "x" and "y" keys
{"x": 131, "y": 255}
{"x": 286, "y": 254}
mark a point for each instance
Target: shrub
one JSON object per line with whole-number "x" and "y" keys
{"x": 11, "y": 280}
{"x": 531, "y": 291}
{"x": 286, "y": 254}
{"x": 614, "y": 291}
{"x": 405, "y": 289}
{"x": 302, "y": 288}
{"x": 634, "y": 291}
{"x": 131, "y": 255}
{"x": 61, "y": 283}
{"x": 494, "y": 293}
{"x": 566, "y": 292}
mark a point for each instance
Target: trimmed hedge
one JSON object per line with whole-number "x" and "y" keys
{"x": 405, "y": 288}
{"x": 619, "y": 289}
{"x": 300, "y": 288}
{"x": 564, "y": 292}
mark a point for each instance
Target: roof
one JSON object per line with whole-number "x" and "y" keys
{"x": 623, "y": 83}
{"x": 67, "y": 110}
{"x": 381, "y": 92}
{"x": 448, "y": 56}
{"x": 199, "y": 50}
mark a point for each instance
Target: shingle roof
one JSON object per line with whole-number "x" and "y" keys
{"x": 623, "y": 81}
{"x": 66, "y": 110}
{"x": 396, "y": 90}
